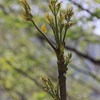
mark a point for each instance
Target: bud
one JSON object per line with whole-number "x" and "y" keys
{"x": 62, "y": 17}
{"x": 51, "y": 8}
{"x": 53, "y": 2}
{"x": 49, "y": 18}
{"x": 69, "y": 24}
{"x": 70, "y": 55}
{"x": 58, "y": 7}
{"x": 69, "y": 14}
{"x": 43, "y": 28}
{"x": 54, "y": 7}
{"x": 27, "y": 11}
{"x": 24, "y": 1}
{"x": 27, "y": 17}
{"x": 44, "y": 79}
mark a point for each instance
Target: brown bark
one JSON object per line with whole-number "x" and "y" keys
{"x": 61, "y": 77}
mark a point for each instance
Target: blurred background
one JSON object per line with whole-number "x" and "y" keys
{"x": 25, "y": 56}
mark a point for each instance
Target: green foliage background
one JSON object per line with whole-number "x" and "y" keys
{"x": 21, "y": 45}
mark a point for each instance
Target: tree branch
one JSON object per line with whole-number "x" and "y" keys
{"x": 79, "y": 6}
{"x": 3, "y": 9}
{"x": 88, "y": 73}
{"x": 97, "y": 62}
{"x": 85, "y": 56}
